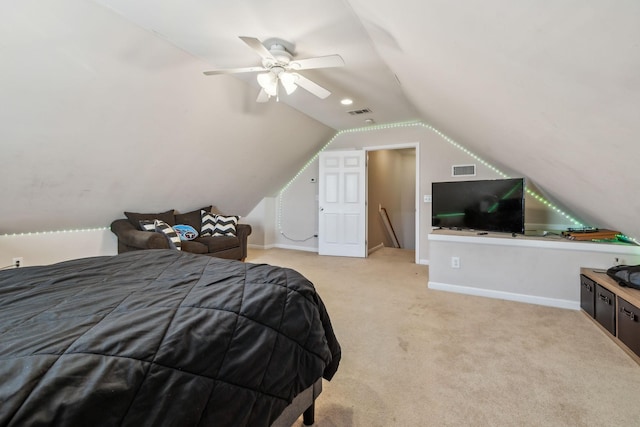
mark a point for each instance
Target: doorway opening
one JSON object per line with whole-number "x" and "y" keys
{"x": 392, "y": 198}
{"x": 353, "y": 194}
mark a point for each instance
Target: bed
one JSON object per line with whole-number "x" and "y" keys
{"x": 161, "y": 337}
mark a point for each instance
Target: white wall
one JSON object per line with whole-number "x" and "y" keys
{"x": 407, "y": 190}
{"x": 263, "y": 221}
{"x": 51, "y": 247}
{"x": 532, "y": 270}
{"x": 100, "y": 116}
{"x": 297, "y": 212}
{"x": 291, "y": 219}
{"x": 298, "y": 204}
{"x": 41, "y": 248}
{"x": 548, "y": 87}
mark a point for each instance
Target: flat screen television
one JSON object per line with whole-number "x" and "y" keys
{"x": 488, "y": 205}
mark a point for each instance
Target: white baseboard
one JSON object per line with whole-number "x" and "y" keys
{"x": 296, "y": 248}
{"x": 529, "y": 299}
{"x": 307, "y": 249}
{"x": 281, "y": 246}
{"x": 263, "y": 247}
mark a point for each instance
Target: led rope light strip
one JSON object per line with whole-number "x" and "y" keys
{"x": 368, "y": 128}
{"x": 624, "y": 237}
{"x": 40, "y": 233}
{"x": 362, "y": 129}
{"x": 440, "y": 134}
{"x": 504, "y": 175}
{"x": 553, "y": 207}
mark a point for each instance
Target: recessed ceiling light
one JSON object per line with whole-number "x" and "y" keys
{"x": 346, "y": 101}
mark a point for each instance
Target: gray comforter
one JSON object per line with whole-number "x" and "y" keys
{"x": 158, "y": 338}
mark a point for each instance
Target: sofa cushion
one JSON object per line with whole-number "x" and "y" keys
{"x": 219, "y": 243}
{"x": 192, "y": 218}
{"x": 135, "y": 218}
{"x": 194, "y": 247}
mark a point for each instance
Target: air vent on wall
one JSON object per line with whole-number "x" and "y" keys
{"x": 463, "y": 170}
{"x": 361, "y": 111}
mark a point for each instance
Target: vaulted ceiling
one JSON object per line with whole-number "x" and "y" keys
{"x": 114, "y": 88}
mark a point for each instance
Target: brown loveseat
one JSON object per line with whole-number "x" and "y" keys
{"x": 131, "y": 237}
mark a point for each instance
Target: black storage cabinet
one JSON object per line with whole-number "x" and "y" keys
{"x": 605, "y": 309}
{"x": 616, "y": 309}
{"x": 588, "y": 295}
{"x": 629, "y": 325}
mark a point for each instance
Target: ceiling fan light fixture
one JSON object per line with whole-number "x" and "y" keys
{"x": 288, "y": 82}
{"x": 269, "y": 82}
{"x": 279, "y": 71}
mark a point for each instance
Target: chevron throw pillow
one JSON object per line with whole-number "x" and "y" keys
{"x": 162, "y": 227}
{"x": 225, "y": 225}
{"x": 208, "y": 223}
{"x": 170, "y": 234}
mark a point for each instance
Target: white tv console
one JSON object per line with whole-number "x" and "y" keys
{"x": 537, "y": 270}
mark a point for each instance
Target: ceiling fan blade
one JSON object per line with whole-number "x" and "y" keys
{"x": 258, "y": 47}
{"x": 310, "y": 86}
{"x": 234, "y": 70}
{"x": 317, "y": 62}
{"x": 263, "y": 96}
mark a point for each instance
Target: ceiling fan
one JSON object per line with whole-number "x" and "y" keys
{"x": 280, "y": 70}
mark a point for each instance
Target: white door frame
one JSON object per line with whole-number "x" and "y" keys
{"x": 417, "y": 204}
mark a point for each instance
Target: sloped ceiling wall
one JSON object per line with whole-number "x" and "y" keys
{"x": 550, "y": 90}
{"x": 99, "y": 116}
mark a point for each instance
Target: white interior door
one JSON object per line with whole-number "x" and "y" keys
{"x": 342, "y": 228}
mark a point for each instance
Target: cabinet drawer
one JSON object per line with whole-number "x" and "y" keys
{"x": 605, "y": 309}
{"x": 629, "y": 325}
{"x": 587, "y": 295}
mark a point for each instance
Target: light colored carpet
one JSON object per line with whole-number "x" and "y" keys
{"x": 418, "y": 357}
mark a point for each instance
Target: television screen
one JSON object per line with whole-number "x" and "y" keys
{"x": 489, "y": 205}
